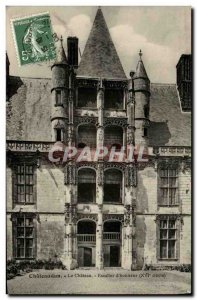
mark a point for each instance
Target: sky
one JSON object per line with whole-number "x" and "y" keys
{"x": 163, "y": 34}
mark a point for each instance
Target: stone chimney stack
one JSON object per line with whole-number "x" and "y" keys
{"x": 72, "y": 46}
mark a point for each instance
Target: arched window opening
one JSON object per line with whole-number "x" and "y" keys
{"x": 113, "y": 186}
{"x": 86, "y": 186}
{"x": 113, "y": 136}
{"x": 86, "y": 227}
{"x": 87, "y": 136}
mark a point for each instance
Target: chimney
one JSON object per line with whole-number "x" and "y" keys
{"x": 184, "y": 81}
{"x": 72, "y": 46}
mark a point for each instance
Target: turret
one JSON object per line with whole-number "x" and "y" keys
{"x": 141, "y": 85}
{"x": 59, "y": 95}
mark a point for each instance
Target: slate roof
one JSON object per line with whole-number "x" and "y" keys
{"x": 169, "y": 126}
{"x": 29, "y": 110}
{"x": 140, "y": 70}
{"x": 60, "y": 53}
{"x": 100, "y": 58}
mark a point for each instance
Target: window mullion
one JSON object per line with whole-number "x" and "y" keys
{"x": 24, "y": 238}
{"x": 25, "y": 181}
{"x": 167, "y": 236}
{"x": 168, "y": 180}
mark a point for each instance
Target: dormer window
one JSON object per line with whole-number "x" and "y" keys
{"x": 58, "y": 97}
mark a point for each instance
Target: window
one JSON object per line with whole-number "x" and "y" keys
{"x": 24, "y": 237}
{"x": 86, "y": 186}
{"x": 113, "y": 98}
{"x": 113, "y": 135}
{"x": 112, "y": 186}
{"x": 168, "y": 195}
{"x": 59, "y": 134}
{"x": 24, "y": 183}
{"x": 146, "y": 111}
{"x": 168, "y": 239}
{"x": 86, "y": 136}
{"x": 145, "y": 132}
{"x": 87, "y": 97}
{"x": 58, "y": 97}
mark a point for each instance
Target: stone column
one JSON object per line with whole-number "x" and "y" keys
{"x": 71, "y": 110}
{"x": 99, "y": 240}
{"x": 100, "y": 107}
{"x": 70, "y": 216}
{"x": 127, "y": 261}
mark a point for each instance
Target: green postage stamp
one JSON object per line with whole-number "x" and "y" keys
{"x": 33, "y": 38}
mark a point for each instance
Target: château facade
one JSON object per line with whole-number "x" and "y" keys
{"x": 99, "y": 212}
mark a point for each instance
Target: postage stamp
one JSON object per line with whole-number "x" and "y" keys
{"x": 33, "y": 38}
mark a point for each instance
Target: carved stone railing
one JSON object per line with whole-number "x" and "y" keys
{"x": 111, "y": 236}
{"x": 172, "y": 151}
{"x": 86, "y": 237}
{"x": 29, "y": 146}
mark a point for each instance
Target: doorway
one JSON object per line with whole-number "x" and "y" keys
{"x": 87, "y": 257}
{"x": 114, "y": 256}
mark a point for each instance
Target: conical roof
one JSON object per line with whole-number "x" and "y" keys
{"x": 140, "y": 69}
{"x": 60, "y": 54}
{"x": 100, "y": 58}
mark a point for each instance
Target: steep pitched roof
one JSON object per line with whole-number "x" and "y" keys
{"x": 60, "y": 53}
{"x": 100, "y": 58}
{"x": 140, "y": 70}
{"x": 169, "y": 126}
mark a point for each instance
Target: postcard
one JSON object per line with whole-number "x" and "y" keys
{"x": 98, "y": 140}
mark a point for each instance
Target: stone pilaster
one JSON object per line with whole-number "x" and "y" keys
{"x": 100, "y": 107}
{"x": 70, "y": 134}
{"x": 99, "y": 240}
{"x": 127, "y": 235}
{"x": 100, "y": 183}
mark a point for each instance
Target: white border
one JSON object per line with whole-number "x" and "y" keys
{"x": 3, "y": 4}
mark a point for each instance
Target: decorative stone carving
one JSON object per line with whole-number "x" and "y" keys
{"x": 127, "y": 215}
{"x": 86, "y": 120}
{"x": 131, "y": 175}
{"x": 115, "y": 122}
{"x": 114, "y": 165}
{"x": 70, "y": 213}
{"x": 29, "y": 146}
{"x": 93, "y": 217}
{"x": 115, "y": 84}
{"x": 86, "y": 83}
{"x": 112, "y": 217}
{"x": 100, "y": 174}
{"x": 86, "y": 164}
{"x": 70, "y": 174}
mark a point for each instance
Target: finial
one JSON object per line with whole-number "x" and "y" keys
{"x": 61, "y": 39}
{"x": 140, "y": 54}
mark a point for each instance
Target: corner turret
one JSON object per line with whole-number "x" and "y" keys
{"x": 141, "y": 85}
{"x": 59, "y": 94}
